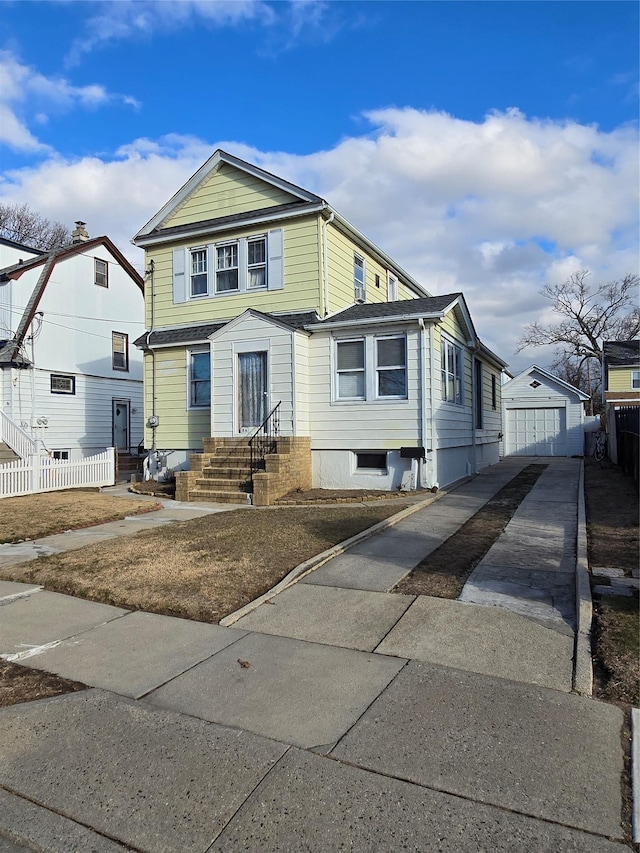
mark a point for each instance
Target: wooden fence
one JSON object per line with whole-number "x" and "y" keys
{"x": 43, "y": 474}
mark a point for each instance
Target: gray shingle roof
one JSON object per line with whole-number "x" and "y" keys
{"x": 622, "y": 352}
{"x": 402, "y": 308}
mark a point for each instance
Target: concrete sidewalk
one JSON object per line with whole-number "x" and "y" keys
{"x": 336, "y": 715}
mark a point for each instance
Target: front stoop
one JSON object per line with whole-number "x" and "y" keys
{"x": 7, "y": 454}
{"x": 221, "y": 474}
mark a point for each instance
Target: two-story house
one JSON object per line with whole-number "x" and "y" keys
{"x": 621, "y": 373}
{"x": 260, "y": 297}
{"x": 70, "y": 377}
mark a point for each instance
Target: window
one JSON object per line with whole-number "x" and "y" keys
{"x": 371, "y": 368}
{"x": 494, "y": 395}
{"x": 451, "y": 371}
{"x": 392, "y": 288}
{"x": 358, "y": 277}
{"x": 226, "y": 268}
{"x": 62, "y": 384}
{"x": 100, "y": 273}
{"x": 257, "y": 263}
{"x": 371, "y": 461}
{"x": 478, "y": 392}
{"x": 61, "y": 454}
{"x": 351, "y": 370}
{"x": 391, "y": 367}
{"x": 199, "y": 285}
{"x": 199, "y": 380}
{"x": 635, "y": 379}
{"x": 120, "y": 351}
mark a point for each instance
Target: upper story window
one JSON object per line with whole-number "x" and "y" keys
{"x": 371, "y": 368}
{"x": 635, "y": 379}
{"x": 358, "y": 278}
{"x": 494, "y": 393}
{"x": 257, "y": 263}
{"x": 226, "y": 267}
{"x": 100, "y": 272}
{"x": 199, "y": 379}
{"x": 229, "y": 267}
{"x": 451, "y": 371}
{"x": 479, "y": 393}
{"x": 120, "y": 351}
{"x": 392, "y": 288}
{"x": 198, "y": 272}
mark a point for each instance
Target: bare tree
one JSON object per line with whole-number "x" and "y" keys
{"x": 588, "y": 317}
{"x": 23, "y": 225}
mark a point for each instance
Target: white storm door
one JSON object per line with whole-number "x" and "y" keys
{"x": 252, "y": 387}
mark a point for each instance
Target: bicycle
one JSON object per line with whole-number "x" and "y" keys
{"x": 601, "y": 446}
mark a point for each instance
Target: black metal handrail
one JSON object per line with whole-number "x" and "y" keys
{"x": 264, "y": 440}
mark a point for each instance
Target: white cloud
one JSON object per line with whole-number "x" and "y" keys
{"x": 139, "y": 19}
{"x": 494, "y": 208}
{"x": 27, "y": 96}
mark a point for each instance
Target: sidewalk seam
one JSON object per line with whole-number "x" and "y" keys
{"x": 582, "y": 662}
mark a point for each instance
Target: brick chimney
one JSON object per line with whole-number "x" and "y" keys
{"x": 80, "y": 234}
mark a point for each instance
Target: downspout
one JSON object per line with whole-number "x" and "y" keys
{"x": 474, "y": 412}
{"x": 432, "y": 387}
{"x": 423, "y": 403}
{"x": 151, "y": 275}
{"x": 325, "y": 262}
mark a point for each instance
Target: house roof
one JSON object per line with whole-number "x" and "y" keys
{"x": 201, "y": 333}
{"x": 9, "y": 357}
{"x": 48, "y": 261}
{"x": 400, "y": 309}
{"x": 14, "y": 245}
{"x": 621, "y": 352}
{"x": 534, "y": 368}
{"x": 306, "y": 202}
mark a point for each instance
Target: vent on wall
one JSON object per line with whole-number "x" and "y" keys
{"x": 535, "y": 383}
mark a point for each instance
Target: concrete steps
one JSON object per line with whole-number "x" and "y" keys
{"x": 226, "y": 476}
{"x": 7, "y": 454}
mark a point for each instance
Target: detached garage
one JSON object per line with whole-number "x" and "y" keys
{"x": 542, "y": 415}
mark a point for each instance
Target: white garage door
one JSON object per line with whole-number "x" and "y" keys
{"x": 536, "y": 432}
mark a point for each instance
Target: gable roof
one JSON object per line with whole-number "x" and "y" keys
{"x": 621, "y": 352}
{"x": 14, "y": 245}
{"x": 304, "y": 203}
{"x": 48, "y": 262}
{"x": 545, "y": 374}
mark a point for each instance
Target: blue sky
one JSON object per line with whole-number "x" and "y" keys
{"x": 487, "y": 146}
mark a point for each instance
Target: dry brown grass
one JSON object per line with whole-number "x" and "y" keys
{"x": 34, "y": 516}
{"x": 201, "y": 569}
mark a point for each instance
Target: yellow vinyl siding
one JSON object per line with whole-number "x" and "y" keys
{"x": 340, "y": 253}
{"x": 620, "y": 378}
{"x": 301, "y": 292}
{"x": 228, "y": 191}
{"x": 179, "y": 427}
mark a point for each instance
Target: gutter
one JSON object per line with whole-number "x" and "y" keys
{"x": 375, "y": 321}
{"x": 423, "y": 403}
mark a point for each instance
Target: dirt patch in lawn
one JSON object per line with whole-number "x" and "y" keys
{"x": 324, "y": 496}
{"x": 445, "y": 571}
{"x": 22, "y": 684}
{"x": 612, "y": 537}
{"x": 34, "y": 516}
{"x": 202, "y": 569}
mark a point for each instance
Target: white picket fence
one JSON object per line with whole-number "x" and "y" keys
{"x": 43, "y": 474}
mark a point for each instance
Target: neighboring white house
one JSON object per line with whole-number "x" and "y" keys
{"x": 543, "y": 415}
{"x": 69, "y": 374}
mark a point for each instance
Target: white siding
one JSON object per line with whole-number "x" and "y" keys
{"x": 246, "y": 334}
{"x": 554, "y": 404}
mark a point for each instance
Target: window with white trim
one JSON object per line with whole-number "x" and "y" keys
{"x": 373, "y": 367}
{"x": 61, "y": 455}
{"x": 359, "y": 277}
{"x": 62, "y": 384}
{"x": 350, "y": 370}
{"x": 479, "y": 393}
{"x": 256, "y": 263}
{"x": 391, "y": 367}
{"x": 227, "y": 268}
{"x": 199, "y": 379}
{"x": 100, "y": 272}
{"x": 451, "y": 371}
{"x": 494, "y": 393}
{"x": 392, "y": 288}
{"x": 635, "y": 379}
{"x": 371, "y": 461}
{"x": 198, "y": 272}
{"x": 120, "y": 351}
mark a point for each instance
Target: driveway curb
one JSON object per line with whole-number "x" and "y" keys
{"x": 315, "y": 562}
{"x": 583, "y": 663}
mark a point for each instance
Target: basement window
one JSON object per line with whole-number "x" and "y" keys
{"x": 371, "y": 462}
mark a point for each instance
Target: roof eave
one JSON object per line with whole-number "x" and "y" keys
{"x": 377, "y": 321}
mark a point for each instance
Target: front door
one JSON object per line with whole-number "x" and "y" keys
{"x": 252, "y": 368}
{"x": 121, "y": 425}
